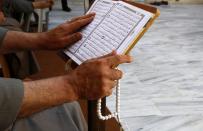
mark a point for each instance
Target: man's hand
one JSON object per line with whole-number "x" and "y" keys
{"x": 96, "y": 78}
{"x": 66, "y": 34}
{"x": 42, "y": 4}
{"x": 91, "y": 80}
{"x": 60, "y": 37}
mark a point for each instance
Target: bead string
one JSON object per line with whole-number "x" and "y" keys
{"x": 116, "y": 114}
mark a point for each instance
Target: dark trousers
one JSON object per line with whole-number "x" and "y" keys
{"x": 64, "y": 3}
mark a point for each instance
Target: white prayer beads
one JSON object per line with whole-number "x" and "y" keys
{"x": 115, "y": 114}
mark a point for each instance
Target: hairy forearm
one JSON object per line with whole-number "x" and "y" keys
{"x": 43, "y": 94}
{"x": 17, "y": 41}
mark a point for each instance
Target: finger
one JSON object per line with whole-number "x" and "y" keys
{"x": 109, "y": 89}
{"x": 109, "y": 92}
{"x": 114, "y": 84}
{"x": 110, "y": 84}
{"x": 78, "y": 24}
{"x": 115, "y": 74}
{"x": 115, "y": 60}
{"x": 81, "y": 17}
{"x": 71, "y": 39}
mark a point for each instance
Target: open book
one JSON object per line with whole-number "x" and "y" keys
{"x": 116, "y": 26}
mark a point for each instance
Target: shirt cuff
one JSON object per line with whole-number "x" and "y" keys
{"x": 11, "y": 97}
{"x": 3, "y": 32}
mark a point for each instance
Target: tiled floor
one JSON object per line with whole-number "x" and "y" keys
{"x": 162, "y": 90}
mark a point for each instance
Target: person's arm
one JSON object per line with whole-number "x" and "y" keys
{"x": 91, "y": 80}
{"x": 62, "y": 36}
{"x": 45, "y": 93}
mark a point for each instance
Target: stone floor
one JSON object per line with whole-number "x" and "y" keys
{"x": 162, "y": 90}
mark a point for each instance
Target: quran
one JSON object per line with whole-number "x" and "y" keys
{"x": 116, "y": 26}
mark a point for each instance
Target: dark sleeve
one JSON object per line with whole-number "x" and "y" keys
{"x": 22, "y": 6}
{"x": 11, "y": 95}
{"x": 3, "y": 32}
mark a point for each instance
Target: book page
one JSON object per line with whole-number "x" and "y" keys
{"x": 115, "y": 27}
